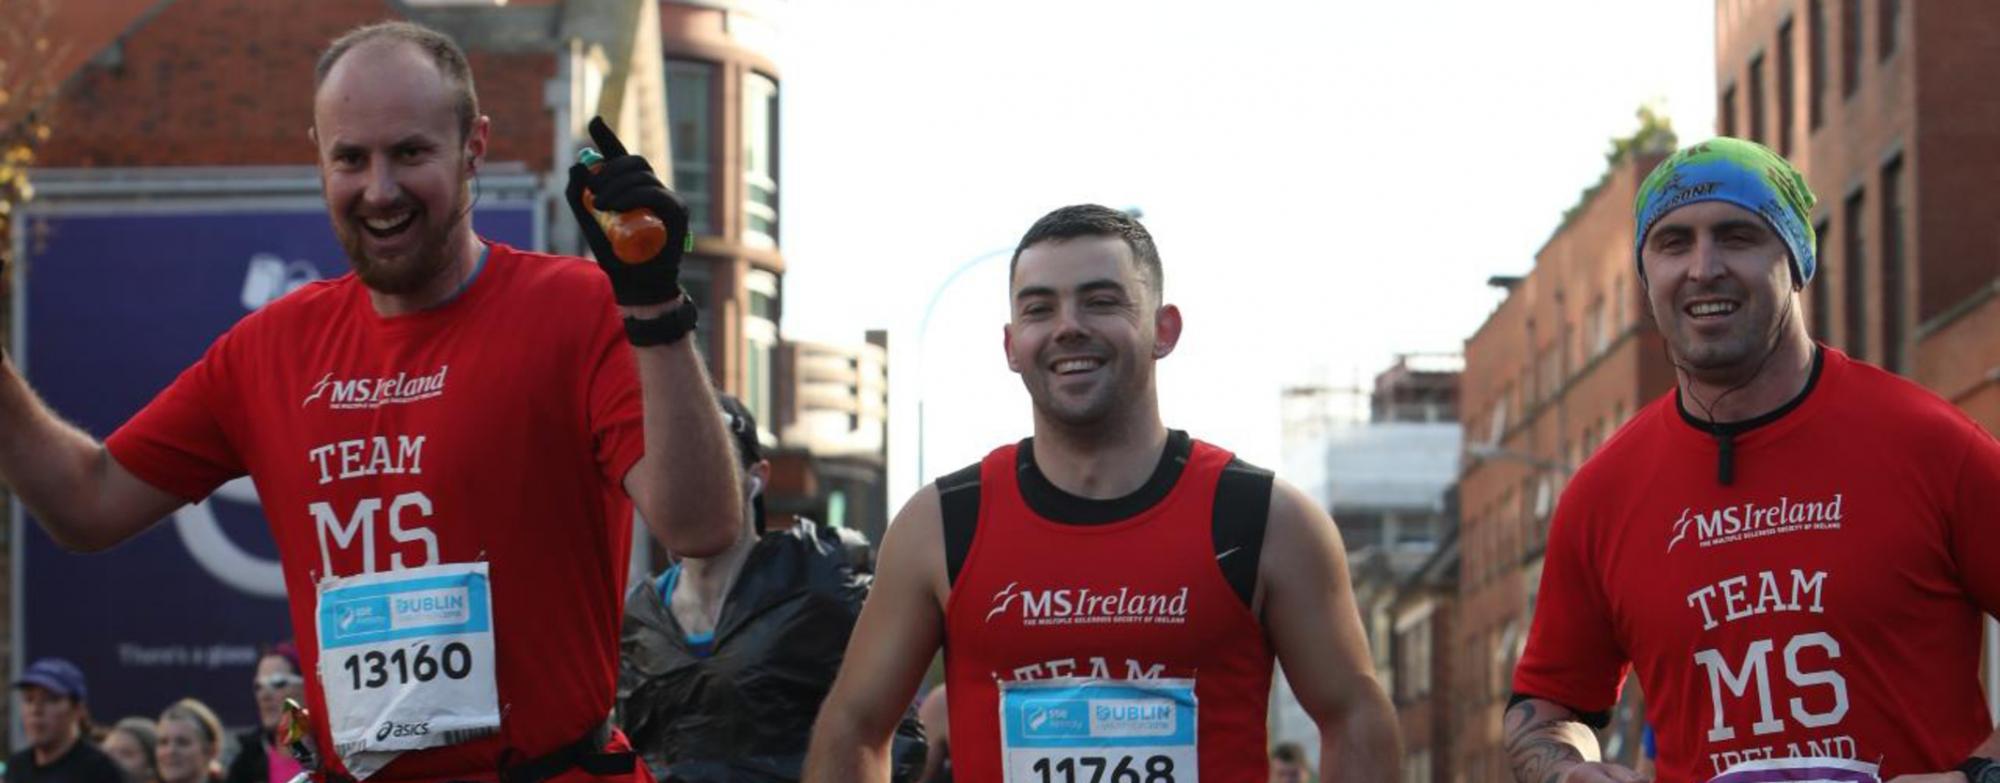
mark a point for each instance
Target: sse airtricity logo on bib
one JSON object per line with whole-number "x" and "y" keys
{"x": 407, "y": 659}
{"x": 1076, "y": 730}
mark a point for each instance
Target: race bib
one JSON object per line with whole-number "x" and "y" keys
{"x": 406, "y": 658}
{"x": 1800, "y": 770}
{"x": 1076, "y": 730}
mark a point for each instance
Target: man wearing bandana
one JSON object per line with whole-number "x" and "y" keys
{"x": 1792, "y": 550}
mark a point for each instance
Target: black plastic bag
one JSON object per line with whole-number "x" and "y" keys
{"x": 745, "y": 713}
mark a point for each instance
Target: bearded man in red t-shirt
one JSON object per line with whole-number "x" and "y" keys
{"x": 1792, "y": 550}
{"x": 449, "y": 443}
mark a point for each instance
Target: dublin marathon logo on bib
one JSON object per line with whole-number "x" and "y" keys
{"x": 407, "y": 661}
{"x": 1079, "y": 730}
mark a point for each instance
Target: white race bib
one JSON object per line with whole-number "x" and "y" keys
{"x": 1800, "y": 770}
{"x": 1078, "y": 730}
{"x": 406, "y": 658}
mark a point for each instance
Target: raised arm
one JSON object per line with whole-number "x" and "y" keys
{"x": 1310, "y": 614}
{"x": 900, "y": 629}
{"x": 686, "y": 484}
{"x": 80, "y": 495}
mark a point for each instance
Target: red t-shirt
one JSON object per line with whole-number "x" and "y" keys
{"x": 1826, "y": 604}
{"x": 1138, "y": 598}
{"x": 499, "y": 425}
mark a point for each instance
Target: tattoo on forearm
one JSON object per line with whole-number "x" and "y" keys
{"x": 1539, "y": 743}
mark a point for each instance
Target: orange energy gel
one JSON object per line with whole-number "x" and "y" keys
{"x": 637, "y": 235}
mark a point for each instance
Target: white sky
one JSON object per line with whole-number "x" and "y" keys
{"x": 1330, "y": 183}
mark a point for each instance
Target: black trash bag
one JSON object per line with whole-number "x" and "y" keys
{"x": 745, "y": 713}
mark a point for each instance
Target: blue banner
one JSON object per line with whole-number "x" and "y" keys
{"x": 113, "y": 307}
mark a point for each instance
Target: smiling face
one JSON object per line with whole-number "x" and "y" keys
{"x": 1085, "y": 330}
{"x": 395, "y": 164}
{"x": 184, "y": 751}
{"x": 1720, "y": 285}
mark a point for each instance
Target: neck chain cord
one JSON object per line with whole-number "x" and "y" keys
{"x": 1725, "y": 440}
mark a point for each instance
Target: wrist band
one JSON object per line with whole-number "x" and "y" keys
{"x": 666, "y": 329}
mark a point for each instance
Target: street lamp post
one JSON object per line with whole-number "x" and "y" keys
{"x": 924, "y": 328}
{"x": 923, "y": 333}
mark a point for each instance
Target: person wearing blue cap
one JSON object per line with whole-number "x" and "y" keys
{"x": 55, "y": 721}
{"x": 1792, "y": 550}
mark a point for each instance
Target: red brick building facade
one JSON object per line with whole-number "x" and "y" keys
{"x": 1874, "y": 101}
{"x": 1561, "y": 363}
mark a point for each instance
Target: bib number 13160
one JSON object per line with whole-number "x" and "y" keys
{"x": 376, "y": 669}
{"x": 1105, "y": 769}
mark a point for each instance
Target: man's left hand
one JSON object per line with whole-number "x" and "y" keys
{"x": 625, "y": 181}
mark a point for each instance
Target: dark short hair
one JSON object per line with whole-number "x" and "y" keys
{"x": 1093, "y": 220}
{"x": 1288, "y": 752}
{"x": 444, "y": 53}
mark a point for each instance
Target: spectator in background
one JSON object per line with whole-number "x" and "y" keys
{"x": 54, "y": 721}
{"x": 190, "y": 743}
{"x": 261, "y": 759}
{"x": 1288, "y": 763}
{"x": 727, "y": 657}
{"x": 130, "y": 745}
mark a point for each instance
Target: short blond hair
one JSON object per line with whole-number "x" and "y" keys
{"x": 200, "y": 715}
{"x": 443, "y": 51}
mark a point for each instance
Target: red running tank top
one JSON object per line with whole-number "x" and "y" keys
{"x": 1136, "y": 598}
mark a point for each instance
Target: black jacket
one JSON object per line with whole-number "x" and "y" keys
{"x": 250, "y": 764}
{"x": 745, "y": 712}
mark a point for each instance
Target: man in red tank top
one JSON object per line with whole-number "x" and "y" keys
{"x": 1109, "y": 593}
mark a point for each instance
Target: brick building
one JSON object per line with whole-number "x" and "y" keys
{"x": 1872, "y": 100}
{"x": 1561, "y": 363}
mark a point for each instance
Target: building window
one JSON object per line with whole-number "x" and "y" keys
{"x": 697, "y": 282}
{"x": 1816, "y": 51}
{"x": 760, "y": 341}
{"x": 1892, "y": 265}
{"x": 1417, "y": 767}
{"x": 1822, "y": 301}
{"x": 1756, "y": 106}
{"x": 1728, "y": 111}
{"x": 1599, "y": 329}
{"x": 760, "y": 159}
{"x": 836, "y": 509}
{"x": 1620, "y": 320}
{"x": 1850, "y": 47}
{"x": 1786, "y": 73}
{"x": 1853, "y": 286}
{"x": 1413, "y": 661}
{"x": 689, "y": 89}
{"x": 1888, "y": 24}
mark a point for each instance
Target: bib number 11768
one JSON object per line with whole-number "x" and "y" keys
{"x": 1105, "y": 769}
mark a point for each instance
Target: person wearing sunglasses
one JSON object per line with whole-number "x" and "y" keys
{"x": 262, "y": 759}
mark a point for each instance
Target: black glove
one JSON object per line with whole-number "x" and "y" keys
{"x": 624, "y": 181}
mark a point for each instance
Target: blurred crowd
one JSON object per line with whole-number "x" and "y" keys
{"x": 184, "y": 743}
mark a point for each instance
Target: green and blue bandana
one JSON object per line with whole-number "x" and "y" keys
{"x": 1738, "y": 172}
